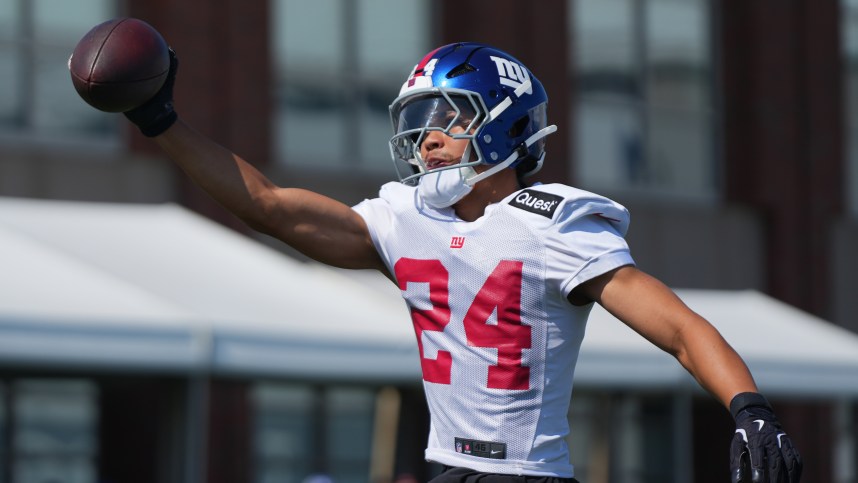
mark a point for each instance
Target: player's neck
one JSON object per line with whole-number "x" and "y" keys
{"x": 486, "y": 192}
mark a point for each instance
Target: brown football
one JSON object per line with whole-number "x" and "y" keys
{"x": 119, "y": 64}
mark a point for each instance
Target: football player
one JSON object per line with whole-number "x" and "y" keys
{"x": 499, "y": 276}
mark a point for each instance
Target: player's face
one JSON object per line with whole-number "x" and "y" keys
{"x": 433, "y": 124}
{"x": 438, "y": 149}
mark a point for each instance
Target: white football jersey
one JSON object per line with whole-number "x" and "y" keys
{"x": 498, "y": 339}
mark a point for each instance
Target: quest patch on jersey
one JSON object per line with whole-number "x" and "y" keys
{"x": 483, "y": 449}
{"x": 538, "y": 202}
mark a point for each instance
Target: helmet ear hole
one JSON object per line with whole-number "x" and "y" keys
{"x": 518, "y": 127}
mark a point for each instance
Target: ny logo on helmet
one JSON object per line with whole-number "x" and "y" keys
{"x": 511, "y": 74}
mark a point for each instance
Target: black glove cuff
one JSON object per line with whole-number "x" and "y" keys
{"x": 744, "y": 400}
{"x": 157, "y": 114}
{"x": 160, "y": 125}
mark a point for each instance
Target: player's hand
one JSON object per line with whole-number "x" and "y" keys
{"x": 761, "y": 451}
{"x": 157, "y": 114}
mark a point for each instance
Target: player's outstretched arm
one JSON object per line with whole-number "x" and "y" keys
{"x": 320, "y": 227}
{"x": 761, "y": 451}
{"x": 653, "y": 310}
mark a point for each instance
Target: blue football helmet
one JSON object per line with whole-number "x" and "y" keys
{"x": 471, "y": 91}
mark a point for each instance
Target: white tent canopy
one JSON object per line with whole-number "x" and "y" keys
{"x": 157, "y": 288}
{"x": 134, "y": 287}
{"x": 788, "y": 351}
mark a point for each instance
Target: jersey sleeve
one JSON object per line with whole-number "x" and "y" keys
{"x": 586, "y": 239}
{"x": 380, "y": 214}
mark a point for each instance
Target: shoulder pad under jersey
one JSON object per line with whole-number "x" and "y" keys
{"x": 560, "y": 204}
{"x": 398, "y": 195}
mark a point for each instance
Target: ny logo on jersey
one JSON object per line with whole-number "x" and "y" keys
{"x": 511, "y": 74}
{"x": 457, "y": 242}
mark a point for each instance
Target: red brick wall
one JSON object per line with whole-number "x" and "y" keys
{"x": 783, "y": 134}
{"x": 224, "y": 84}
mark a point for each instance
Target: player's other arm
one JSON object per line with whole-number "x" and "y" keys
{"x": 320, "y": 227}
{"x": 761, "y": 452}
{"x": 651, "y": 309}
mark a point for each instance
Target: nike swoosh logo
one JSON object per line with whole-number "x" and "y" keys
{"x": 495, "y": 452}
{"x": 743, "y": 433}
{"x": 780, "y": 435}
{"x": 762, "y": 423}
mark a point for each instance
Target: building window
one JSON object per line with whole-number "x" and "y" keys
{"x": 850, "y": 52}
{"x": 54, "y": 431}
{"x": 302, "y": 431}
{"x": 36, "y": 39}
{"x": 350, "y": 415}
{"x": 338, "y": 65}
{"x": 284, "y": 432}
{"x": 643, "y": 113}
{"x": 624, "y": 437}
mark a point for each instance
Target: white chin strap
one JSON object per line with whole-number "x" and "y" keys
{"x": 444, "y": 187}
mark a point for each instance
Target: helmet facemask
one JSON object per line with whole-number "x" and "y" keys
{"x": 456, "y": 113}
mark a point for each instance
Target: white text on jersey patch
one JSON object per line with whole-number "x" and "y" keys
{"x": 537, "y": 202}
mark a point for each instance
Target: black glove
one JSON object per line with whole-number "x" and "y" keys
{"x": 157, "y": 114}
{"x": 761, "y": 452}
